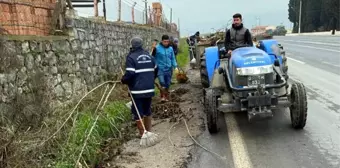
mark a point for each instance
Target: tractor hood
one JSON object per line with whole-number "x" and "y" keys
{"x": 249, "y": 57}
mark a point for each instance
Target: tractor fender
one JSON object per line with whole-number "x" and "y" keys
{"x": 212, "y": 59}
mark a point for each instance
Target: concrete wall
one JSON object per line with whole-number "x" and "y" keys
{"x": 37, "y": 72}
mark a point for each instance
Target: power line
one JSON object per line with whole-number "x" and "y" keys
{"x": 132, "y": 4}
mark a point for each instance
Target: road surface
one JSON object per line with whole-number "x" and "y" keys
{"x": 315, "y": 61}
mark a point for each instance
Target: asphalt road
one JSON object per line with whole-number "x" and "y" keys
{"x": 315, "y": 61}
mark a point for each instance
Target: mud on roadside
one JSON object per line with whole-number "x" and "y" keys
{"x": 174, "y": 148}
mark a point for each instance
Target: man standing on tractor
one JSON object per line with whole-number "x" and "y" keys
{"x": 191, "y": 42}
{"x": 237, "y": 35}
{"x": 166, "y": 62}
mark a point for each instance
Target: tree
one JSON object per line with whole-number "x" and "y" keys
{"x": 293, "y": 14}
{"x": 316, "y": 15}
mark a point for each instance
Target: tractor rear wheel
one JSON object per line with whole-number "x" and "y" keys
{"x": 211, "y": 110}
{"x": 204, "y": 100}
{"x": 204, "y": 72}
{"x": 298, "y": 109}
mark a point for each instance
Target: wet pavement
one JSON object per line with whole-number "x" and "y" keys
{"x": 315, "y": 61}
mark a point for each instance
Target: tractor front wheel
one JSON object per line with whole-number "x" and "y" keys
{"x": 204, "y": 72}
{"x": 211, "y": 110}
{"x": 298, "y": 108}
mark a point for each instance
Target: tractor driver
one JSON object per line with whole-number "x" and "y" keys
{"x": 237, "y": 35}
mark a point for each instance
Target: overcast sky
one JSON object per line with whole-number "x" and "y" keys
{"x": 203, "y": 15}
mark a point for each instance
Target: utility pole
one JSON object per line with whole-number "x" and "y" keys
{"x": 95, "y": 8}
{"x": 170, "y": 15}
{"x": 133, "y": 12}
{"x": 119, "y": 10}
{"x": 150, "y": 16}
{"x": 178, "y": 27}
{"x": 104, "y": 9}
{"x": 146, "y": 11}
{"x": 300, "y": 16}
{"x": 258, "y": 21}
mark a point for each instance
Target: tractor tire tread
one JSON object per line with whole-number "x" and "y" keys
{"x": 300, "y": 96}
{"x": 211, "y": 110}
{"x": 204, "y": 74}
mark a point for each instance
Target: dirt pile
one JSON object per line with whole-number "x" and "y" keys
{"x": 169, "y": 109}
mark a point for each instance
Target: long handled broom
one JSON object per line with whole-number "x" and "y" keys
{"x": 148, "y": 138}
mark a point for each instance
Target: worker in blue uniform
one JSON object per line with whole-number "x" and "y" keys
{"x": 140, "y": 75}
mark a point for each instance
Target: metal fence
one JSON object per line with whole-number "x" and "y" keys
{"x": 22, "y": 17}
{"x": 133, "y": 12}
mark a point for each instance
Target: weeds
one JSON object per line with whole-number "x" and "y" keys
{"x": 183, "y": 55}
{"x": 104, "y": 126}
{"x": 81, "y": 140}
{"x": 92, "y": 127}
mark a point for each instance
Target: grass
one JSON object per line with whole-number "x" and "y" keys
{"x": 107, "y": 126}
{"x": 183, "y": 55}
{"x": 64, "y": 137}
{"x": 182, "y": 59}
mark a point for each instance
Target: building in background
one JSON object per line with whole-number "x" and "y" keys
{"x": 263, "y": 32}
{"x": 26, "y": 18}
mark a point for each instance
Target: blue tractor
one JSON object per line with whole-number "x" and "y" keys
{"x": 253, "y": 79}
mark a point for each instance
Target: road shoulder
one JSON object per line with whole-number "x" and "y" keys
{"x": 174, "y": 148}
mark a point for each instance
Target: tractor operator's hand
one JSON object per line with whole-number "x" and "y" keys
{"x": 229, "y": 52}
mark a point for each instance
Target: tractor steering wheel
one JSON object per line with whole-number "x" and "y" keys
{"x": 241, "y": 46}
{"x": 236, "y": 47}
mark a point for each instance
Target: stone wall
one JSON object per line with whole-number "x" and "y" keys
{"x": 40, "y": 71}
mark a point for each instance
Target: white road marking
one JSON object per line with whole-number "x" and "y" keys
{"x": 296, "y": 60}
{"x": 306, "y": 86}
{"x": 237, "y": 145}
{"x": 309, "y": 42}
{"x": 330, "y": 64}
{"x": 315, "y": 48}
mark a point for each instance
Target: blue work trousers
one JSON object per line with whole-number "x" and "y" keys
{"x": 164, "y": 77}
{"x": 143, "y": 106}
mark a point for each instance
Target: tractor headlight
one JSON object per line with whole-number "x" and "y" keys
{"x": 255, "y": 70}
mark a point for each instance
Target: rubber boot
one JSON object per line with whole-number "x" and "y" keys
{"x": 140, "y": 127}
{"x": 147, "y": 122}
{"x": 166, "y": 94}
{"x": 163, "y": 95}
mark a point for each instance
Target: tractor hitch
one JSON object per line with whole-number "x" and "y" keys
{"x": 259, "y": 113}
